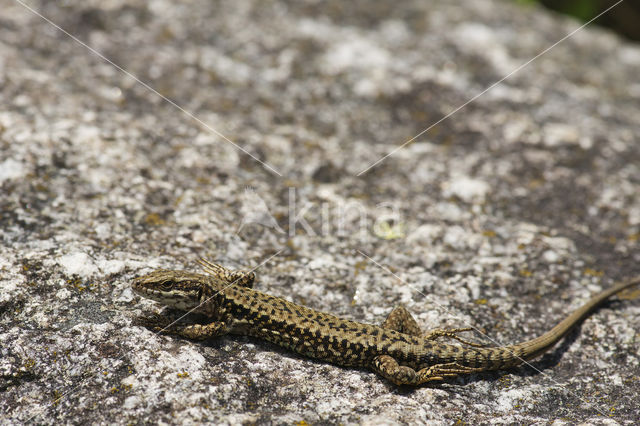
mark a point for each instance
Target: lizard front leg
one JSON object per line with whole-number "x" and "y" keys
{"x": 203, "y": 331}
{"x": 163, "y": 325}
{"x": 230, "y": 276}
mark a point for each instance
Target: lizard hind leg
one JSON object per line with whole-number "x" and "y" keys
{"x": 400, "y": 320}
{"x": 444, "y": 371}
{"x": 451, "y": 333}
{"x": 229, "y": 276}
{"x": 388, "y": 367}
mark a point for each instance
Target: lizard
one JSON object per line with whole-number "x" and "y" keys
{"x": 397, "y": 349}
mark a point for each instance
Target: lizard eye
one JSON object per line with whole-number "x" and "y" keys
{"x": 166, "y": 285}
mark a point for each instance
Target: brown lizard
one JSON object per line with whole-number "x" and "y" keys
{"x": 397, "y": 349}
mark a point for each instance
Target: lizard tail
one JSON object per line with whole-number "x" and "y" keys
{"x": 513, "y": 355}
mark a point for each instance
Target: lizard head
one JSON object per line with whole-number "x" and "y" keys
{"x": 176, "y": 289}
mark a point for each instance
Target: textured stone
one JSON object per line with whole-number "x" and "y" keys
{"x": 524, "y": 202}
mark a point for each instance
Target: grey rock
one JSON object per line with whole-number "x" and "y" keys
{"x": 505, "y": 215}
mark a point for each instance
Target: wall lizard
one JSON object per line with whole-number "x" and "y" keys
{"x": 397, "y": 349}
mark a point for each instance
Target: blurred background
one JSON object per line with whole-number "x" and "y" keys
{"x": 623, "y": 19}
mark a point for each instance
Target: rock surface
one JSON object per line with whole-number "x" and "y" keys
{"x": 505, "y": 216}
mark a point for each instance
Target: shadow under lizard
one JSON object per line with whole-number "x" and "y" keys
{"x": 397, "y": 349}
